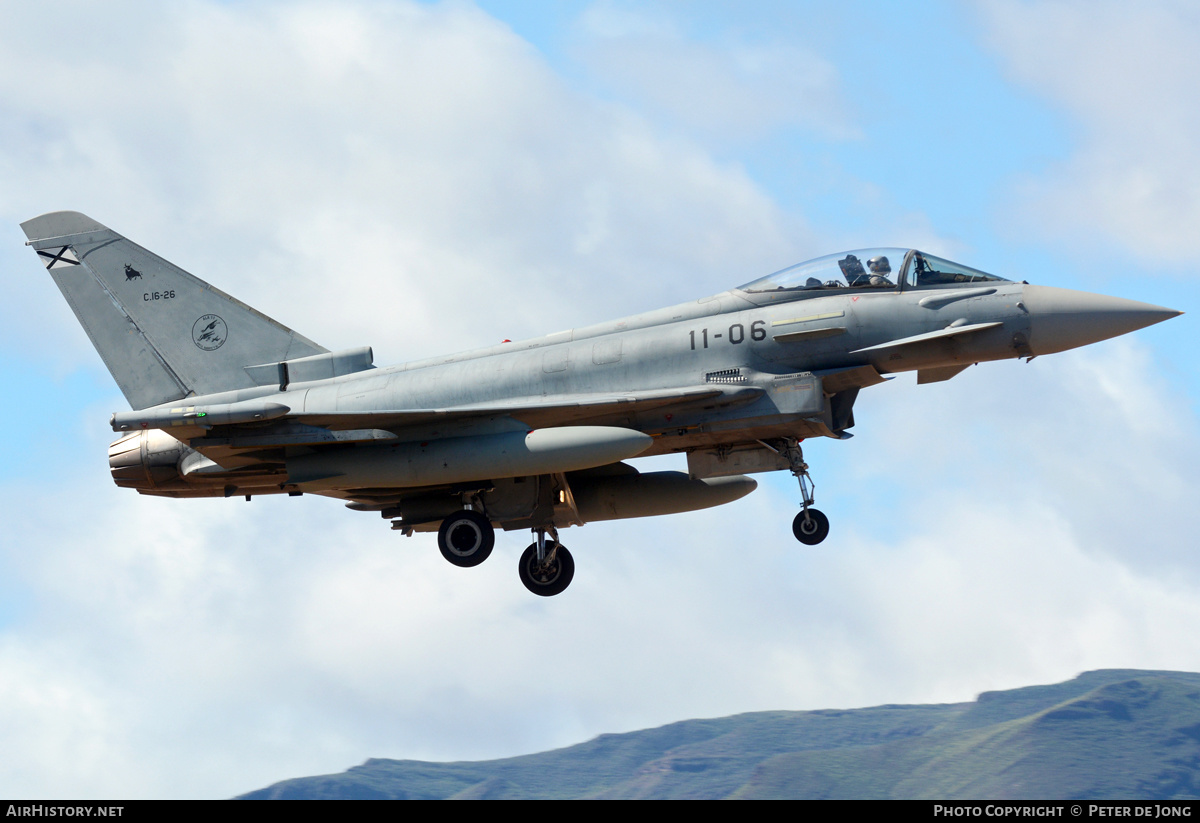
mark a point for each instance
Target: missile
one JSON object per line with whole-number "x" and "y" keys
{"x": 619, "y": 496}
{"x": 466, "y": 459}
{"x": 205, "y": 417}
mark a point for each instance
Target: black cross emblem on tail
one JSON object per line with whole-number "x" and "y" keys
{"x": 60, "y": 258}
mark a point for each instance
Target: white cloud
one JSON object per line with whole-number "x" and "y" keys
{"x": 729, "y": 90}
{"x": 1126, "y": 73}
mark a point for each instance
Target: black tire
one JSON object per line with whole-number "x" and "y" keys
{"x": 466, "y": 538}
{"x": 548, "y": 581}
{"x": 811, "y": 530}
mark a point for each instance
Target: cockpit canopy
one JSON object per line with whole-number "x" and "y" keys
{"x": 868, "y": 269}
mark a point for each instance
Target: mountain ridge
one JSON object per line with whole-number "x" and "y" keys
{"x": 1110, "y": 733}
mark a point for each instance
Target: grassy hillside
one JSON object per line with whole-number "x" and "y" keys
{"x": 1111, "y": 733}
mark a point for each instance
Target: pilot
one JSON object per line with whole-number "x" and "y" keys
{"x": 880, "y": 269}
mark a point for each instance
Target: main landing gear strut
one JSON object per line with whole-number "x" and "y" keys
{"x": 546, "y": 567}
{"x": 810, "y": 526}
{"x": 466, "y": 539}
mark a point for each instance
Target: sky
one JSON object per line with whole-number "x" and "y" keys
{"x": 431, "y": 177}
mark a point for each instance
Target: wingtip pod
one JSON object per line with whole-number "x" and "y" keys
{"x": 57, "y": 224}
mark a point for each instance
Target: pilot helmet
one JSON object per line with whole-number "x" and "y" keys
{"x": 879, "y": 265}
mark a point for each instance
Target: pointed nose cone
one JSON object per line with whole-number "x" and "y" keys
{"x": 1062, "y": 319}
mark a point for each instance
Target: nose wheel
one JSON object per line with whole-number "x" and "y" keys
{"x": 546, "y": 567}
{"x": 811, "y": 526}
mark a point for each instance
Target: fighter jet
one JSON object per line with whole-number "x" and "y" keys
{"x": 534, "y": 434}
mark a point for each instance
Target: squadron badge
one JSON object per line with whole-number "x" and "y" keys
{"x": 209, "y": 332}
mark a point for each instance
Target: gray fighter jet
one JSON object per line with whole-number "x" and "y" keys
{"x": 532, "y": 435}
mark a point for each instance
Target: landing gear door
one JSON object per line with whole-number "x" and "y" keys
{"x": 726, "y": 461}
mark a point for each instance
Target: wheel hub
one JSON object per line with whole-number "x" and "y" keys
{"x": 545, "y": 573}
{"x": 465, "y": 538}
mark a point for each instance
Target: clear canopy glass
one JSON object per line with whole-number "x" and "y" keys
{"x": 883, "y": 268}
{"x": 927, "y": 270}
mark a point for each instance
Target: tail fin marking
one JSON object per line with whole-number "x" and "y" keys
{"x": 163, "y": 333}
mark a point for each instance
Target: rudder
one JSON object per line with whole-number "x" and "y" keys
{"x": 163, "y": 333}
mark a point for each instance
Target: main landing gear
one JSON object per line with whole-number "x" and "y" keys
{"x": 466, "y": 539}
{"x": 810, "y": 526}
{"x": 546, "y": 567}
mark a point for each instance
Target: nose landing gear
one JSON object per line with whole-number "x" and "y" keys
{"x": 810, "y": 526}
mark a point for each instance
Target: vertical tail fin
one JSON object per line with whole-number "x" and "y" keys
{"x": 162, "y": 333}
